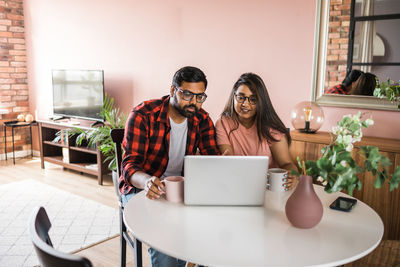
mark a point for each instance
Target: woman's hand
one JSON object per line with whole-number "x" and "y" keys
{"x": 291, "y": 182}
{"x": 154, "y": 188}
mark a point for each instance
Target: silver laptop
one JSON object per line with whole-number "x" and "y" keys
{"x": 225, "y": 180}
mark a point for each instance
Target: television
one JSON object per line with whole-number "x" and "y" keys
{"x": 78, "y": 93}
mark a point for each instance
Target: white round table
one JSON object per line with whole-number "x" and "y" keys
{"x": 254, "y": 236}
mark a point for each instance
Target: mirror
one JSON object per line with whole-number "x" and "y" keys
{"x": 372, "y": 49}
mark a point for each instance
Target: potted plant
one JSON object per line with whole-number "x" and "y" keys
{"x": 388, "y": 90}
{"x": 337, "y": 170}
{"x": 101, "y": 136}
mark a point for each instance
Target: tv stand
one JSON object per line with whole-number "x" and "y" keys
{"x": 57, "y": 118}
{"x": 66, "y": 153}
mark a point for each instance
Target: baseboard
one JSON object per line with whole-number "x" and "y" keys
{"x": 19, "y": 154}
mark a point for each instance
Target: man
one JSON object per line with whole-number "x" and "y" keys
{"x": 159, "y": 133}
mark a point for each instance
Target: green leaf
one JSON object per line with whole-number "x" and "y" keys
{"x": 294, "y": 173}
{"x": 395, "y": 180}
{"x": 379, "y": 180}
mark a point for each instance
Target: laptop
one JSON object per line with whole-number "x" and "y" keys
{"x": 225, "y": 180}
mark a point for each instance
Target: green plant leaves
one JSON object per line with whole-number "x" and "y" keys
{"x": 337, "y": 167}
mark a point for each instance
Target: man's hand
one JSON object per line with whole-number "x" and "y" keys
{"x": 154, "y": 188}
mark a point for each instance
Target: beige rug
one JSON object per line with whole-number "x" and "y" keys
{"x": 76, "y": 222}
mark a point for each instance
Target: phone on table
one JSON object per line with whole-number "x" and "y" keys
{"x": 343, "y": 204}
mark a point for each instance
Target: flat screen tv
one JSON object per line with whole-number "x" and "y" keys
{"x": 78, "y": 93}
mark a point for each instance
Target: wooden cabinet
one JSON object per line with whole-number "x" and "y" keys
{"x": 384, "y": 202}
{"x": 64, "y": 152}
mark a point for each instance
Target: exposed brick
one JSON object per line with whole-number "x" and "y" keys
{"x": 6, "y": 69}
{"x": 16, "y": 29}
{"x": 20, "y": 70}
{"x": 17, "y": 52}
{"x": 7, "y": 81}
{"x": 16, "y": 41}
{"x": 20, "y": 109}
{"x": 15, "y": 17}
{"x": 18, "y": 23}
{"x": 6, "y": 46}
{"x": 22, "y": 92}
{"x": 18, "y": 35}
{"x": 20, "y": 98}
{"x": 17, "y": 64}
{"x": 13, "y": 4}
{"x": 19, "y": 86}
{"x": 6, "y": 22}
{"x": 6, "y": 34}
{"x": 332, "y": 57}
{"x": 14, "y": 93}
{"x": 21, "y": 103}
{"x": 19, "y": 47}
{"x": 5, "y": 99}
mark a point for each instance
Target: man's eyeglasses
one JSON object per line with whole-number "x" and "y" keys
{"x": 188, "y": 96}
{"x": 241, "y": 98}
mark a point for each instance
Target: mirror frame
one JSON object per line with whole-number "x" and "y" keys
{"x": 319, "y": 63}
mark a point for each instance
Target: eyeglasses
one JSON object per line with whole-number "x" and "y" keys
{"x": 188, "y": 96}
{"x": 241, "y": 99}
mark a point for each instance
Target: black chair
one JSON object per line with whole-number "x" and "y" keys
{"x": 117, "y": 135}
{"x": 39, "y": 226}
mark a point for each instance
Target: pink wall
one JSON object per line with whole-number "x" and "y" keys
{"x": 140, "y": 44}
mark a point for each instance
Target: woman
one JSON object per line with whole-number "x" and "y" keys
{"x": 250, "y": 126}
{"x": 365, "y": 85}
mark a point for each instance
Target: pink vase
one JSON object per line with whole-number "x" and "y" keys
{"x": 304, "y": 208}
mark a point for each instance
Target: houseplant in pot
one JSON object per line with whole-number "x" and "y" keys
{"x": 337, "y": 168}
{"x": 101, "y": 136}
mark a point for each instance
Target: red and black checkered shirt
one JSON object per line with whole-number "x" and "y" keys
{"x": 337, "y": 89}
{"x": 147, "y": 136}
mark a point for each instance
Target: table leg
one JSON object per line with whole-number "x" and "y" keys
{"x": 5, "y": 140}
{"x": 30, "y": 131}
{"x": 12, "y": 132}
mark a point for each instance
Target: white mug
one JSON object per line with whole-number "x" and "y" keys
{"x": 276, "y": 178}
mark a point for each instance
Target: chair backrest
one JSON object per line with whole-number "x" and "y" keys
{"x": 117, "y": 135}
{"x": 39, "y": 226}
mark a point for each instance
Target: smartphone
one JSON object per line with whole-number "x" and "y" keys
{"x": 343, "y": 204}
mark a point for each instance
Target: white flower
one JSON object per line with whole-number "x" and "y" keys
{"x": 335, "y": 129}
{"x": 347, "y": 116}
{"x": 358, "y": 139}
{"x": 356, "y": 118}
{"x": 347, "y": 139}
{"x": 343, "y": 163}
{"x": 369, "y": 122}
{"x": 349, "y": 147}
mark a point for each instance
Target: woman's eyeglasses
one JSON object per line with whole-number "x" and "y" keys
{"x": 241, "y": 98}
{"x": 188, "y": 96}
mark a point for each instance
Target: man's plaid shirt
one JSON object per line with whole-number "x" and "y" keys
{"x": 147, "y": 136}
{"x": 337, "y": 89}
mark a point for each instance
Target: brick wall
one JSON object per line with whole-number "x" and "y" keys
{"x": 339, "y": 22}
{"x": 13, "y": 73}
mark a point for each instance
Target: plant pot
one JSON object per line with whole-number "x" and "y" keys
{"x": 303, "y": 208}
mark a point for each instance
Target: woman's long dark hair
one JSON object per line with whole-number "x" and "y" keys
{"x": 266, "y": 117}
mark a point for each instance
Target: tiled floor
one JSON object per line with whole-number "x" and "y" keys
{"x": 76, "y": 222}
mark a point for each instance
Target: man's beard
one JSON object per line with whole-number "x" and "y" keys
{"x": 183, "y": 111}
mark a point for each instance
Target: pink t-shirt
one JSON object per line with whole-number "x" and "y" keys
{"x": 244, "y": 141}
